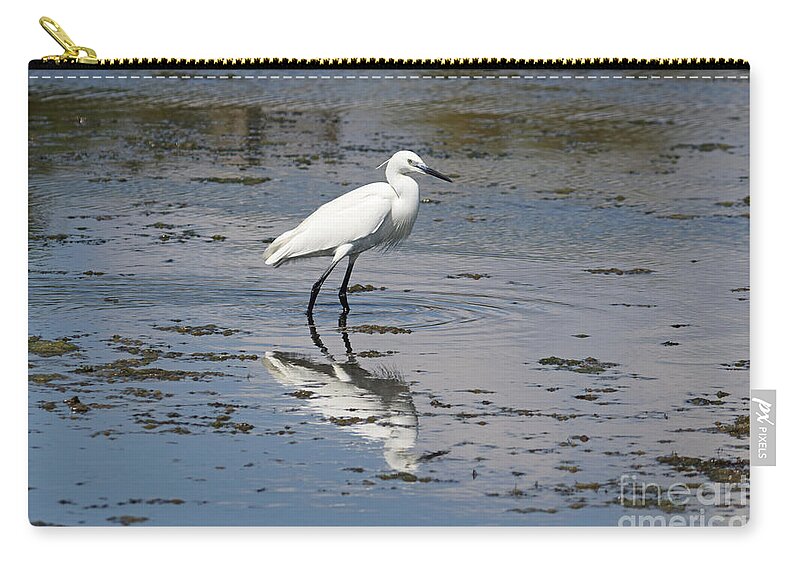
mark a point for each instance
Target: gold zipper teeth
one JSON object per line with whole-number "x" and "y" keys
{"x": 439, "y": 63}
{"x": 75, "y": 55}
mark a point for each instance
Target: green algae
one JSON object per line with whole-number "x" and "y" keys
{"x": 244, "y": 180}
{"x": 159, "y": 501}
{"x": 404, "y": 476}
{"x": 201, "y": 330}
{"x": 564, "y": 191}
{"x": 41, "y": 347}
{"x": 145, "y": 394}
{"x": 375, "y": 353}
{"x": 618, "y": 271}
{"x": 679, "y": 217}
{"x": 161, "y": 226}
{"x": 587, "y": 397}
{"x": 127, "y": 520}
{"x": 359, "y": 288}
{"x": 45, "y": 378}
{"x": 76, "y": 406}
{"x": 350, "y": 421}
{"x": 470, "y": 218}
{"x": 664, "y": 505}
{"x": 54, "y": 237}
{"x": 222, "y": 356}
{"x": 124, "y": 341}
{"x": 705, "y": 402}
{"x": 704, "y": 147}
{"x": 474, "y": 276}
{"x": 108, "y": 433}
{"x": 588, "y": 365}
{"x": 130, "y": 370}
{"x": 740, "y": 427}
{"x": 378, "y": 329}
{"x": 302, "y": 394}
{"x": 526, "y": 510}
{"x": 717, "y": 469}
{"x": 738, "y": 365}
{"x": 136, "y": 347}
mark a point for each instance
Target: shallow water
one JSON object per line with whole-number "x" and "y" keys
{"x": 262, "y": 419}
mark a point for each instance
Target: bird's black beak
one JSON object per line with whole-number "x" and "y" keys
{"x": 432, "y": 172}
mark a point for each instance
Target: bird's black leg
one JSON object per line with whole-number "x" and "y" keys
{"x": 343, "y": 288}
{"x": 315, "y": 290}
{"x": 315, "y": 338}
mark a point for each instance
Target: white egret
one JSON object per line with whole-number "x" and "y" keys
{"x": 379, "y": 214}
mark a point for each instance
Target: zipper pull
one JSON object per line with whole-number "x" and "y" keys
{"x": 72, "y": 52}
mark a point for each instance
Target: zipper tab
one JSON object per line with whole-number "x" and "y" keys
{"x": 79, "y": 55}
{"x": 72, "y": 52}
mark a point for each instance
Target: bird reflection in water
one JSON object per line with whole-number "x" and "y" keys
{"x": 373, "y": 404}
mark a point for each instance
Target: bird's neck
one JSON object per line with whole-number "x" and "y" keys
{"x": 405, "y": 186}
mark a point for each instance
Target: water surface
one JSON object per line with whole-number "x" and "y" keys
{"x": 150, "y": 203}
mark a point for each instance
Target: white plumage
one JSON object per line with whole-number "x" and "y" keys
{"x": 379, "y": 214}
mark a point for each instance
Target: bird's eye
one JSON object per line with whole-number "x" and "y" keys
{"x": 410, "y": 161}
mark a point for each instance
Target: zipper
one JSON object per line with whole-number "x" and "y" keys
{"x": 73, "y": 53}
{"x": 79, "y": 57}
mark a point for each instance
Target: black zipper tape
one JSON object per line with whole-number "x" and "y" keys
{"x": 421, "y": 64}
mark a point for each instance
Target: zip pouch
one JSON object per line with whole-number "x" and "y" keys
{"x": 533, "y": 312}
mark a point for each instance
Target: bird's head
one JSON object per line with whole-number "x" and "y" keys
{"x": 407, "y": 162}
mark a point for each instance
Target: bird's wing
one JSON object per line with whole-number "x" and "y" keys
{"x": 350, "y": 217}
{"x": 346, "y": 219}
